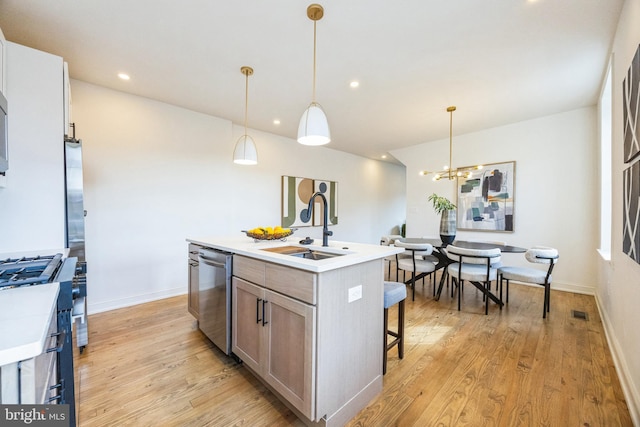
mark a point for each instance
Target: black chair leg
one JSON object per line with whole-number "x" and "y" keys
{"x": 487, "y": 287}
{"x": 384, "y": 341}
{"x": 413, "y": 286}
{"x": 401, "y": 329}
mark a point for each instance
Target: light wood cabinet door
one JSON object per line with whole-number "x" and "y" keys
{"x": 247, "y": 330}
{"x": 290, "y": 360}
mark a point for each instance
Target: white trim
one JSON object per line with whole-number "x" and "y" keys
{"x": 133, "y": 300}
{"x": 631, "y": 394}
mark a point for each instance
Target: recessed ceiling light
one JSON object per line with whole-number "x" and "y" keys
{"x": 384, "y": 156}
{"x": 276, "y": 122}
{"x": 124, "y": 76}
{"x": 354, "y": 84}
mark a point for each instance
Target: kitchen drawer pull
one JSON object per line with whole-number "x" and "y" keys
{"x": 61, "y": 390}
{"x": 258, "y": 319}
{"x": 58, "y": 397}
{"x": 62, "y": 336}
{"x": 264, "y": 313}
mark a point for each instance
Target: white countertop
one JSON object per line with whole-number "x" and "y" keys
{"x": 25, "y": 313}
{"x": 354, "y": 253}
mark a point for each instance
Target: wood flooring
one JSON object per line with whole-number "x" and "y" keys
{"x": 149, "y": 365}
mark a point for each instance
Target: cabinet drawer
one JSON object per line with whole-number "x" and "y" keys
{"x": 297, "y": 284}
{"x": 249, "y": 269}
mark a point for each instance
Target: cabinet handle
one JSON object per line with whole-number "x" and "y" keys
{"x": 258, "y": 319}
{"x": 62, "y": 336}
{"x": 61, "y": 390}
{"x": 193, "y": 264}
{"x": 264, "y": 313}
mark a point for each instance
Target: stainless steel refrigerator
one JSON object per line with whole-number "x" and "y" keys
{"x": 75, "y": 237}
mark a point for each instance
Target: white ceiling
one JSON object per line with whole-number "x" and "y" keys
{"x": 498, "y": 61}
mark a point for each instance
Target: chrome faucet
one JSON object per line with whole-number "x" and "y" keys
{"x": 305, "y": 216}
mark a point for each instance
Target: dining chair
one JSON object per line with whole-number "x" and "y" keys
{"x": 414, "y": 262}
{"x": 389, "y": 240}
{"x": 536, "y": 255}
{"x": 478, "y": 266}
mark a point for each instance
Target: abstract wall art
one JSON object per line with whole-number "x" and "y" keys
{"x": 631, "y": 212}
{"x": 296, "y": 193}
{"x": 486, "y": 199}
{"x": 630, "y": 108}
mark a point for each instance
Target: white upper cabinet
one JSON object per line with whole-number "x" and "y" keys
{"x": 3, "y": 63}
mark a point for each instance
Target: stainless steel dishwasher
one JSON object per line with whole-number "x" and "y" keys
{"x": 215, "y": 296}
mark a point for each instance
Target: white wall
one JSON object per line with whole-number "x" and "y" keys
{"x": 555, "y": 188}
{"x": 618, "y": 291}
{"x": 32, "y": 203}
{"x": 156, "y": 174}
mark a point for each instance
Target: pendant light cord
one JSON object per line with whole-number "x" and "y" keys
{"x": 450, "y": 143}
{"x": 314, "y": 62}
{"x": 246, "y": 100}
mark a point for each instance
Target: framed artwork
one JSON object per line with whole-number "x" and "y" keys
{"x": 631, "y": 212}
{"x": 296, "y": 193}
{"x": 486, "y": 199}
{"x": 630, "y": 107}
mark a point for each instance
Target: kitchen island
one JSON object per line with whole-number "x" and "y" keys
{"x": 310, "y": 329}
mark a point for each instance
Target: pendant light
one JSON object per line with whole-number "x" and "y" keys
{"x": 245, "y": 152}
{"x": 314, "y": 128}
{"x": 449, "y": 172}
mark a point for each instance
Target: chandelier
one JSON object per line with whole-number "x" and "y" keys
{"x": 449, "y": 171}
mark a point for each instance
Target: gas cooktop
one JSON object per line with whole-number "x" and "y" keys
{"x": 28, "y": 270}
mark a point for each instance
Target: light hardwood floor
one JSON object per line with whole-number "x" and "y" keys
{"x": 149, "y": 365}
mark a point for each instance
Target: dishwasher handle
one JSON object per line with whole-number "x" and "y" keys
{"x": 210, "y": 261}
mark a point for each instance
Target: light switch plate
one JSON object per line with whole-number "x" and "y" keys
{"x": 355, "y": 293}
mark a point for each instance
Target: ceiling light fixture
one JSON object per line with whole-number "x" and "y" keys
{"x": 124, "y": 76}
{"x": 314, "y": 128}
{"x": 245, "y": 152}
{"x": 449, "y": 172}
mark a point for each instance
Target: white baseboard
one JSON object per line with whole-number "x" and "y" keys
{"x": 133, "y": 300}
{"x": 629, "y": 388}
{"x": 564, "y": 286}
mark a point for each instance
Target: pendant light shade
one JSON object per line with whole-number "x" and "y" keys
{"x": 314, "y": 127}
{"x": 245, "y": 152}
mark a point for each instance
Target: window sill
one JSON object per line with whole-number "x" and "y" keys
{"x": 605, "y": 255}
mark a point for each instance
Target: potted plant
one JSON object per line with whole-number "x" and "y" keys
{"x": 447, "y": 212}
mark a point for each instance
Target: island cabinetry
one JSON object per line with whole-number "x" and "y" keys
{"x": 193, "y": 266}
{"x": 274, "y": 335}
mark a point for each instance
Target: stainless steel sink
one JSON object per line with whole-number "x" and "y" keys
{"x": 315, "y": 255}
{"x": 302, "y": 252}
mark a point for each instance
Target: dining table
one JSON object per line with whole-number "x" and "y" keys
{"x": 439, "y": 251}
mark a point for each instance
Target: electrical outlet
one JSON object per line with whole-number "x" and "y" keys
{"x": 355, "y": 293}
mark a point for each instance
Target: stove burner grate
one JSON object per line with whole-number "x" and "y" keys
{"x": 28, "y": 270}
